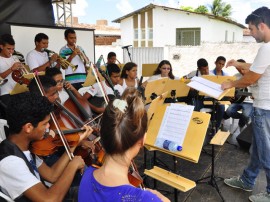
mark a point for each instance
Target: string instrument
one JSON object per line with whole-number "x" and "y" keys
{"x": 18, "y": 76}
{"x": 54, "y": 119}
{"x": 49, "y": 144}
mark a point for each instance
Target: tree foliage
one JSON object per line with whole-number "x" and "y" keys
{"x": 201, "y": 9}
{"x": 220, "y": 8}
{"x": 187, "y": 8}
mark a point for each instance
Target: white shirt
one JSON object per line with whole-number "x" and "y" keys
{"x": 261, "y": 65}
{"x": 94, "y": 90}
{"x": 35, "y": 59}
{"x": 63, "y": 95}
{"x": 15, "y": 176}
{"x": 124, "y": 86}
{"x": 5, "y": 64}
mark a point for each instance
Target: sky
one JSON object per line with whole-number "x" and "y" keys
{"x": 88, "y": 11}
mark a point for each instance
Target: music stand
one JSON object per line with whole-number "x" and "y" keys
{"x": 192, "y": 146}
{"x": 179, "y": 87}
{"x": 218, "y": 137}
{"x": 154, "y": 87}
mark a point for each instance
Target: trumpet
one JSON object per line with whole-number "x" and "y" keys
{"x": 24, "y": 69}
{"x": 64, "y": 63}
{"x": 83, "y": 58}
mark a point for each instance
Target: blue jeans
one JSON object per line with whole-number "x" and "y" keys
{"x": 260, "y": 157}
{"x": 243, "y": 117}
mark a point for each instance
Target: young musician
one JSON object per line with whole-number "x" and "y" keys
{"x": 123, "y": 128}
{"x": 163, "y": 70}
{"x": 202, "y": 69}
{"x": 95, "y": 91}
{"x": 220, "y": 62}
{"x": 38, "y": 59}
{"x": 7, "y": 65}
{"x": 21, "y": 172}
{"x": 56, "y": 75}
{"x": 129, "y": 76}
{"x": 73, "y": 54}
{"x": 111, "y": 58}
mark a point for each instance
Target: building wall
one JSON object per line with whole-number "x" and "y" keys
{"x": 184, "y": 59}
{"x": 127, "y": 31}
{"x": 166, "y": 22}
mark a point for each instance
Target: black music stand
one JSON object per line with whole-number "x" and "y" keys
{"x": 213, "y": 179}
{"x": 129, "y": 54}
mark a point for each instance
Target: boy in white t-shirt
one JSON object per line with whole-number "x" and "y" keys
{"x": 21, "y": 171}
{"x": 94, "y": 91}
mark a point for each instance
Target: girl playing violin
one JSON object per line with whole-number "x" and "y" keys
{"x": 123, "y": 130}
{"x": 129, "y": 76}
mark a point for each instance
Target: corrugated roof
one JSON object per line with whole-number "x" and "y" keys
{"x": 150, "y": 6}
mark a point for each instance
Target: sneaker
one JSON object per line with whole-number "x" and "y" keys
{"x": 261, "y": 197}
{"x": 236, "y": 182}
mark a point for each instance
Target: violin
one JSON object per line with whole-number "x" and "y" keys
{"x": 17, "y": 75}
{"x": 50, "y": 144}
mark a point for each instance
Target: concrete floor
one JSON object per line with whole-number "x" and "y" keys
{"x": 230, "y": 160}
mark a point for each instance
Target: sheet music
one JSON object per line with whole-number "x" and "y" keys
{"x": 208, "y": 87}
{"x": 175, "y": 123}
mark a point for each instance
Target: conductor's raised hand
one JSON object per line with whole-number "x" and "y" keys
{"x": 231, "y": 63}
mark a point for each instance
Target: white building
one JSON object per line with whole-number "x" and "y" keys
{"x": 158, "y": 26}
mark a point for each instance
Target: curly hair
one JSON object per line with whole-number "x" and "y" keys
{"x": 26, "y": 108}
{"x": 121, "y": 130}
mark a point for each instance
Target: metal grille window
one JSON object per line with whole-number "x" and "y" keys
{"x": 136, "y": 34}
{"x": 188, "y": 36}
{"x": 150, "y": 33}
{"x": 143, "y": 34}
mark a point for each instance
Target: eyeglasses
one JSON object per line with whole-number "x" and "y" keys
{"x": 164, "y": 68}
{"x": 60, "y": 82}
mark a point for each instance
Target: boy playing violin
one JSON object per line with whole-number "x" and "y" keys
{"x": 21, "y": 172}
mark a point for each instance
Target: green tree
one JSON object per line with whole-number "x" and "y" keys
{"x": 187, "y": 8}
{"x": 220, "y": 8}
{"x": 201, "y": 9}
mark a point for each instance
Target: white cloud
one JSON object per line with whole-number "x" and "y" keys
{"x": 124, "y": 7}
{"x": 79, "y": 9}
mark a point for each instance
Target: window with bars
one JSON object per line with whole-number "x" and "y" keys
{"x": 188, "y": 36}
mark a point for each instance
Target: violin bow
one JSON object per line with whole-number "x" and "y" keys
{"x": 62, "y": 136}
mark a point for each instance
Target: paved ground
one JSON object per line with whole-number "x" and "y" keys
{"x": 230, "y": 160}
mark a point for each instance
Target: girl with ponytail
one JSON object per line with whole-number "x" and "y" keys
{"x": 123, "y": 128}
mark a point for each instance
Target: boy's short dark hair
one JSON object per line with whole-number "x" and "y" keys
{"x": 111, "y": 54}
{"x": 46, "y": 82}
{"x": 220, "y": 58}
{"x": 40, "y": 36}
{"x": 7, "y": 39}
{"x": 113, "y": 68}
{"x": 69, "y": 31}
{"x": 26, "y": 108}
{"x": 51, "y": 72}
{"x": 202, "y": 63}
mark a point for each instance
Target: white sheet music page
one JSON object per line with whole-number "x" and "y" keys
{"x": 175, "y": 123}
{"x": 208, "y": 87}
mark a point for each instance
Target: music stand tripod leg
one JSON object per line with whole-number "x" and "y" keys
{"x": 212, "y": 178}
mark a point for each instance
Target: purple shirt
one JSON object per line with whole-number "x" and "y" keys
{"x": 91, "y": 190}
